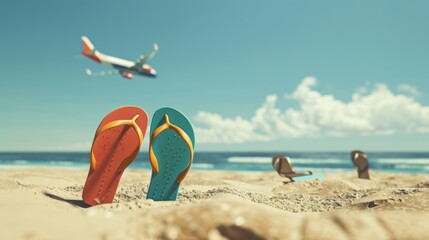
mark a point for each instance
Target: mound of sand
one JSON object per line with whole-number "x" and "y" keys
{"x": 46, "y": 204}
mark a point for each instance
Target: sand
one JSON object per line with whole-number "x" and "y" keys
{"x": 45, "y": 203}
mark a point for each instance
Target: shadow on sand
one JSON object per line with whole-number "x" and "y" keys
{"x": 287, "y": 182}
{"x": 77, "y": 203}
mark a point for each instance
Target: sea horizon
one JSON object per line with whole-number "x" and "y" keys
{"x": 255, "y": 161}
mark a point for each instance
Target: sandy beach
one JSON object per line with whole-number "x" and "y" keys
{"x": 45, "y": 203}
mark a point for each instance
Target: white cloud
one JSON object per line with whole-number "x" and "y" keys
{"x": 370, "y": 112}
{"x": 406, "y": 88}
{"x": 226, "y": 130}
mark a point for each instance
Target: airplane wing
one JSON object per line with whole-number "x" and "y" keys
{"x": 144, "y": 59}
{"x": 101, "y": 73}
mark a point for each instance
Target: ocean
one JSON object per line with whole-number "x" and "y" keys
{"x": 395, "y": 162}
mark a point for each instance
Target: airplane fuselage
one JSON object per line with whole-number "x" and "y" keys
{"x": 125, "y": 66}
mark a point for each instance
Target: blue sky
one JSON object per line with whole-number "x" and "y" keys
{"x": 244, "y": 72}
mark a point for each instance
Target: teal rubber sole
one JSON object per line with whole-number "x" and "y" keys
{"x": 172, "y": 153}
{"x": 309, "y": 177}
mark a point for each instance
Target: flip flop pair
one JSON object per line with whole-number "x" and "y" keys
{"x": 283, "y": 165}
{"x": 117, "y": 143}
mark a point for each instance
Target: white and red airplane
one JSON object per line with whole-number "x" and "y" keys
{"x": 125, "y": 67}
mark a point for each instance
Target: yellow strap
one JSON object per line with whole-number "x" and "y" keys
{"x": 117, "y": 123}
{"x": 182, "y": 134}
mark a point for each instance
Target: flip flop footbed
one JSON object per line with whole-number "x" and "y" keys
{"x": 282, "y": 164}
{"x": 360, "y": 160}
{"x": 276, "y": 161}
{"x": 173, "y": 154}
{"x": 362, "y": 166}
{"x": 113, "y": 149}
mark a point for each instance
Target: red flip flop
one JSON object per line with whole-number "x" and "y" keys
{"x": 116, "y": 144}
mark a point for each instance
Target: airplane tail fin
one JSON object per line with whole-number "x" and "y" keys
{"x": 88, "y": 47}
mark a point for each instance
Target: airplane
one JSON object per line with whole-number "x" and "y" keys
{"x": 125, "y": 67}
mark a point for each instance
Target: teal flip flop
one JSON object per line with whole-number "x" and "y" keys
{"x": 171, "y": 151}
